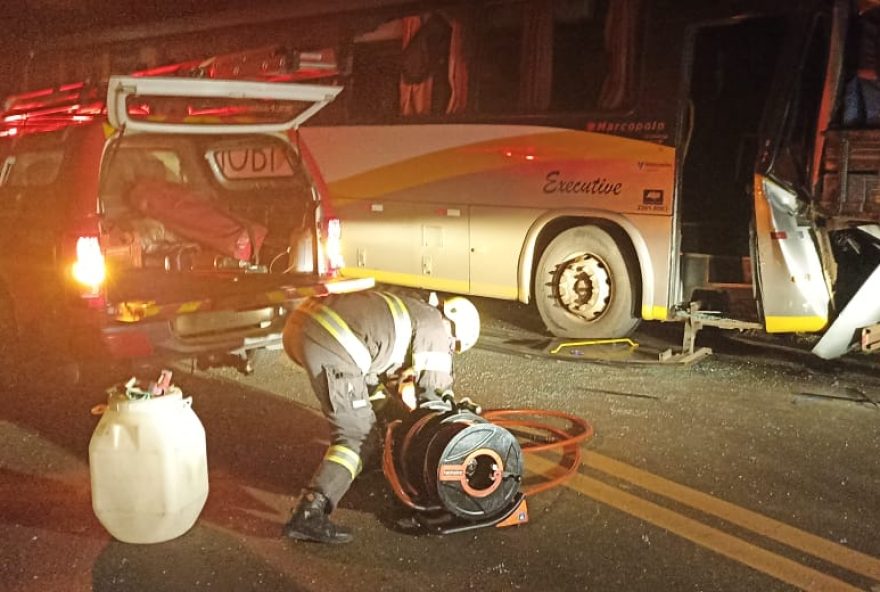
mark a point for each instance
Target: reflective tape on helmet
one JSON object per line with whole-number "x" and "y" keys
{"x": 348, "y": 458}
{"x": 402, "y": 330}
{"x": 433, "y": 361}
{"x": 340, "y": 331}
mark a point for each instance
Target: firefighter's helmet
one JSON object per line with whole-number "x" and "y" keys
{"x": 465, "y": 320}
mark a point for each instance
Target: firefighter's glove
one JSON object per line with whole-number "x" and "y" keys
{"x": 378, "y": 393}
{"x": 406, "y": 388}
{"x": 448, "y": 399}
{"x": 470, "y": 405}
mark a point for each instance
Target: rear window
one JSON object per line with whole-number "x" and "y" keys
{"x": 252, "y": 163}
{"x": 212, "y": 110}
{"x": 127, "y": 165}
{"x": 31, "y": 169}
{"x": 124, "y": 167}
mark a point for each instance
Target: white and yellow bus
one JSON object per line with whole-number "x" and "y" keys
{"x": 611, "y": 161}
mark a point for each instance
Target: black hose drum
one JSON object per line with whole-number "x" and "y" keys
{"x": 458, "y": 462}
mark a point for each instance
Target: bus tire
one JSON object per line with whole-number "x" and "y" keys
{"x": 583, "y": 286}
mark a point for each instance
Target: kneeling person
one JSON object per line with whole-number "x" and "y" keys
{"x": 348, "y": 343}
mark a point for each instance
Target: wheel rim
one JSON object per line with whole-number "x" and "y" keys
{"x": 582, "y": 286}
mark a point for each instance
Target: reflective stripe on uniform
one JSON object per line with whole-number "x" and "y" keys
{"x": 435, "y": 361}
{"x": 340, "y": 331}
{"x": 402, "y": 330}
{"x": 346, "y": 457}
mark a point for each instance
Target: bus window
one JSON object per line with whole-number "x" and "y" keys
{"x": 580, "y": 60}
{"x": 424, "y": 85}
{"x": 372, "y": 87}
{"x": 544, "y": 56}
{"x": 557, "y": 56}
{"x": 407, "y": 67}
{"x": 501, "y": 46}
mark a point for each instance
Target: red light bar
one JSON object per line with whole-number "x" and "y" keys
{"x": 75, "y": 103}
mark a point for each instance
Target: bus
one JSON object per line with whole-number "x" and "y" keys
{"x": 608, "y": 161}
{"x": 611, "y": 161}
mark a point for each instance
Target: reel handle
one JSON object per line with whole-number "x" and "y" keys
{"x": 465, "y": 404}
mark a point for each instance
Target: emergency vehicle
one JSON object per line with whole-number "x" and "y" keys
{"x": 160, "y": 217}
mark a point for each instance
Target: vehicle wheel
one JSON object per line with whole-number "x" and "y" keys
{"x": 583, "y": 287}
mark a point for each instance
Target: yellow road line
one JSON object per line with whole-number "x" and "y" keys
{"x": 845, "y": 557}
{"x": 774, "y": 565}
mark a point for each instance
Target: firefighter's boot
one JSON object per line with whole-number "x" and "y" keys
{"x": 310, "y": 521}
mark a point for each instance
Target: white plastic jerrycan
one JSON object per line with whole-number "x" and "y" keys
{"x": 149, "y": 468}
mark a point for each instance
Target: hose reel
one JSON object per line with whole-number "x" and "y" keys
{"x": 457, "y": 469}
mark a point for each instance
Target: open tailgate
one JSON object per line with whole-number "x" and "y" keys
{"x": 199, "y": 106}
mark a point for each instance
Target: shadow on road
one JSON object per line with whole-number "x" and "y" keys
{"x": 59, "y": 503}
{"x": 201, "y": 559}
{"x": 260, "y": 446}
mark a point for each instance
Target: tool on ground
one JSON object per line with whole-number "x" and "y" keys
{"x": 625, "y": 340}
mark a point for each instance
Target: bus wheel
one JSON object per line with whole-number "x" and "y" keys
{"x": 583, "y": 286}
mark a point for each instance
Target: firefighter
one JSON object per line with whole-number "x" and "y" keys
{"x": 350, "y": 345}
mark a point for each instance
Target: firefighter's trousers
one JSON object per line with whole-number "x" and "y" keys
{"x": 341, "y": 388}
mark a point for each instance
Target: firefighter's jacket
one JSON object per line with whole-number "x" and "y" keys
{"x": 384, "y": 333}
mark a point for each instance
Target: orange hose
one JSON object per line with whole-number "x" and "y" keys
{"x": 566, "y": 439}
{"x": 391, "y": 472}
{"x": 404, "y": 448}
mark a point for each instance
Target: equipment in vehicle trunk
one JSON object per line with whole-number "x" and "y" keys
{"x": 175, "y": 219}
{"x": 193, "y": 216}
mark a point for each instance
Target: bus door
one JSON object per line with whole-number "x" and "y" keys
{"x": 732, "y": 71}
{"x": 793, "y": 289}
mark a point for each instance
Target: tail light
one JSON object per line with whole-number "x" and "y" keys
{"x": 333, "y": 246}
{"x": 89, "y": 269}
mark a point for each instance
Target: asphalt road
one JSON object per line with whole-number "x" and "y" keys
{"x": 748, "y": 470}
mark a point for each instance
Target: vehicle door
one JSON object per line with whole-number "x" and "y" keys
{"x": 791, "y": 284}
{"x": 33, "y": 208}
